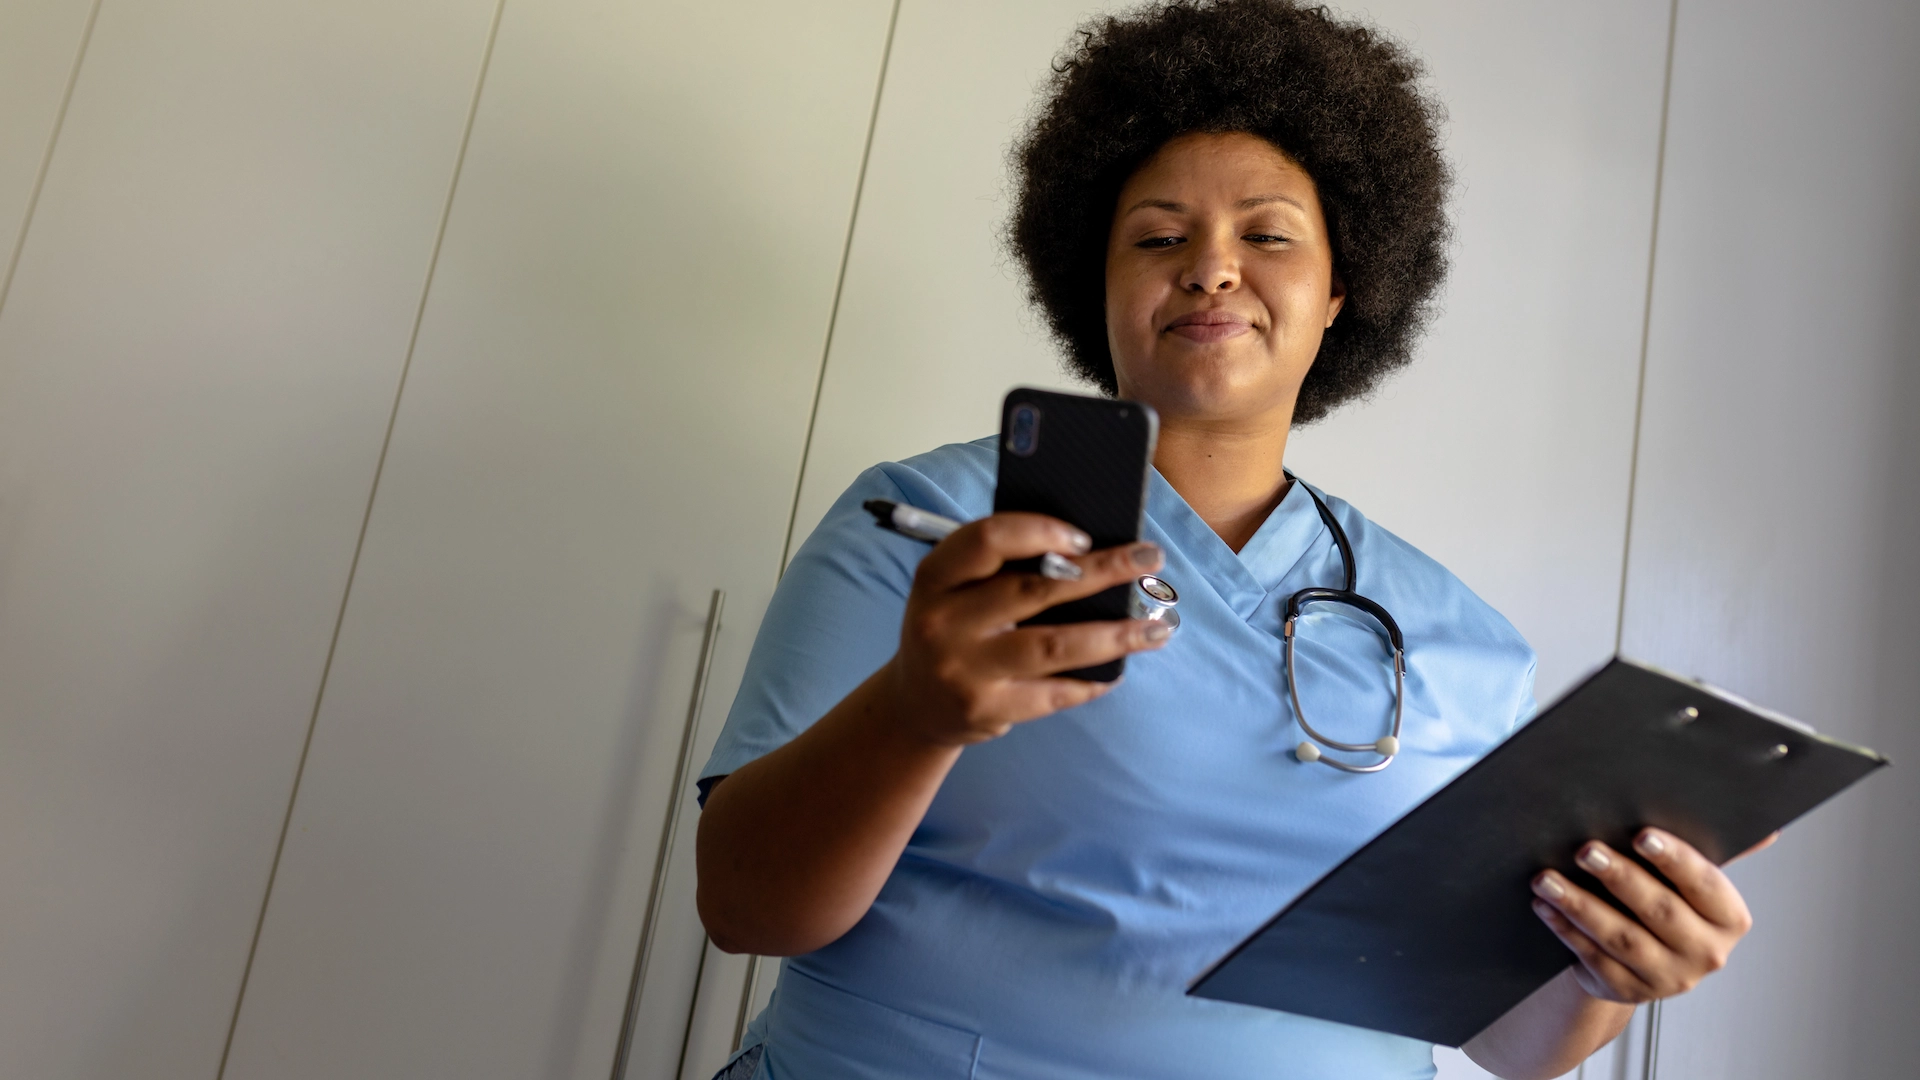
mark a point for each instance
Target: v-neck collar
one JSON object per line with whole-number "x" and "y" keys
{"x": 1245, "y": 578}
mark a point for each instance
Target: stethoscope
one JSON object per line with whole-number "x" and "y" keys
{"x": 1152, "y": 598}
{"x": 1388, "y": 745}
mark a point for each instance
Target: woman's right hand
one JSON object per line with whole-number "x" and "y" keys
{"x": 965, "y": 672}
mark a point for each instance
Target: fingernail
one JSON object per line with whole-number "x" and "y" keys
{"x": 1594, "y": 857}
{"x": 1548, "y": 885}
{"x": 1078, "y": 542}
{"x": 1157, "y": 631}
{"x": 1056, "y": 566}
{"x": 1146, "y": 556}
{"x": 1650, "y": 843}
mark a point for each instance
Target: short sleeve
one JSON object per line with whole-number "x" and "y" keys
{"x": 833, "y": 621}
{"x": 1529, "y": 706}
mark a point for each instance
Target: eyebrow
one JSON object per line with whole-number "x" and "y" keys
{"x": 1244, "y": 204}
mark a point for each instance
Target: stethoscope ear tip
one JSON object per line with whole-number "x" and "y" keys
{"x": 1307, "y": 752}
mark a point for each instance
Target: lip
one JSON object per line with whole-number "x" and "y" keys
{"x": 1208, "y": 326}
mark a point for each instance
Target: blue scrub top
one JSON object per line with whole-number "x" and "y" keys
{"x": 1073, "y": 876}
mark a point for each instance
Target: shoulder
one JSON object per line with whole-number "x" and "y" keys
{"x": 1430, "y": 602}
{"x": 956, "y": 479}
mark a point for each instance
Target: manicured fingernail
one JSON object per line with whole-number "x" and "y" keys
{"x": 1157, "y": 631}
{"x": 1146, "y": 556}
{"x": 1078, "y": 542}
{"x": 1594, "y": 857}
{"x": 1650, "y": 843}
{"x": 1548, "y": 885}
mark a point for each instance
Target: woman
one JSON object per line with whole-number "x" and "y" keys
{"x": 1232, "y": 211}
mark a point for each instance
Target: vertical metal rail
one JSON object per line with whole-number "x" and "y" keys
{"x": 657, "y": 894}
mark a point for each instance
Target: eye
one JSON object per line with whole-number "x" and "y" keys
{"x": 1154, "y": 243}
{"x": 1264, "y": 238}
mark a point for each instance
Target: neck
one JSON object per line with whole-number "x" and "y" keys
{"x": 1233, "y": 477}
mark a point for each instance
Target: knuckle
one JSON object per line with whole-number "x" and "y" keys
{"x": 951, "y": 672}
{"x": 925, "y": 627}
{"x": 1053, "y": 646}
{"x": 1034, "y": 587}
{"x": 1716, "y": 959}
{"x": 1622, "y": 943}
{"x": 1666, "y": 909}
{"x": 1065, "y": 697}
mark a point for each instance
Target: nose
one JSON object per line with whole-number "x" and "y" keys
{"x": 1214, "y": 267}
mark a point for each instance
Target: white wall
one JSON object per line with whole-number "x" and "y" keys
{"x": 1779, "y": 481}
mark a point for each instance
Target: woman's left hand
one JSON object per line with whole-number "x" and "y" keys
{"x": 1685, "y": 931}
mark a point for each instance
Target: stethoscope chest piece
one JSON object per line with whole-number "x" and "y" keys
{"x": 1151, "y": 598}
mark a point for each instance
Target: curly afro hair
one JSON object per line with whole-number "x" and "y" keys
{"x": 1335, "y": 96}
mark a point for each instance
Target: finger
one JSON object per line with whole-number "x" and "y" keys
{"x": 1010, "y": 598}
{"x": 1618, "y": 936}
{"x": 1757, "y": 848}
{"x": 1035, "y": 651}
{"x": 1659, "y": 908}
{"x": 1703, "y": 884}
{"x": 1600, "y": 975}
{"x": 978, "y": 549}
{"x": 1030, "y": 699}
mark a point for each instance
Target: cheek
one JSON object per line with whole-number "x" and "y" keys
{"x": 1131, "y": 303}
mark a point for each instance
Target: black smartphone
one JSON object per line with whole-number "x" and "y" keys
{"x": 1083, "y": 460}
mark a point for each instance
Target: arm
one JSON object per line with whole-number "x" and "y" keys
{"x": 1683, "y": 933}
{"x": 794, "y": 847}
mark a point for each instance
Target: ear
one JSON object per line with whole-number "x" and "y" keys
{"x": 1336, "y": 296}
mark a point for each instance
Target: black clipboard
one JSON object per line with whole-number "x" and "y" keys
{"x": 1427, "y": 930}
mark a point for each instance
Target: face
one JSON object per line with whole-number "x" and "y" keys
{"x": 1219, "y": 281}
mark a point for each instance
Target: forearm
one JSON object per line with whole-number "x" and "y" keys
{"x": 1549, "y": 1033}
{"x": 793, "y": 847}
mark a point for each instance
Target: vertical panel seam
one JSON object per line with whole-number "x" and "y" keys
{"x": 1650, "y": 1057}
{"x": 839, "y": 285}
{"x": 1646, "y": 328}
{"x": 366, "y": 516}
{"x": 46, "y": 157}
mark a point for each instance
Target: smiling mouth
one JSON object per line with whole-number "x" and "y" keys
{"x": 1209, "y": 326}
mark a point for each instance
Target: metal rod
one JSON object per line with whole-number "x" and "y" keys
{"x": 656, "y": 895}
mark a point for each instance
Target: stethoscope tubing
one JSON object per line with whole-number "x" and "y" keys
{"x": 1387, "y": 747}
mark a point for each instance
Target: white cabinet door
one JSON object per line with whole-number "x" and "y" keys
{"x": 198, "y": 356}
{"x": 602, "y": 423}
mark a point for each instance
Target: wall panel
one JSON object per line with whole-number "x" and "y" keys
{"x": 1772, "y": 548}
{"x": 603, "y": 422}
{"x": 197, "y": 362}
{"x": 39, "y": 40}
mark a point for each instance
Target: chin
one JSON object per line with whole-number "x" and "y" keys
{"x": 1218, "y": 386}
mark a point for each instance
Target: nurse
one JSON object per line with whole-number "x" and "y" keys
{"x": 1234, "y": 212}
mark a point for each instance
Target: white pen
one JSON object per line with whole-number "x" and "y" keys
{"x": 932, "y": 528}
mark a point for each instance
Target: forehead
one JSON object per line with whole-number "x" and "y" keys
{"x": 1231, "y": 165}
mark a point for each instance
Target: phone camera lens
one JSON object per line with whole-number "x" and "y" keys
{"x": 1023, "y": 431}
